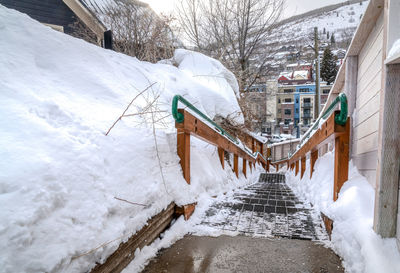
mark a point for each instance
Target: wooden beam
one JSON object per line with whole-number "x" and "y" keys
{"x": 297, "y": 168}
{"x": 341, "y": 169}
{"x": 86, "y": 17}
{"x": 244, "y": 166}
{"x": 125, "y": 252}
{"x": 236, "y": 164}
{"x": 313, "y": 159}
{"x": 387, "y": 180}
{"x": 183, "y": 150}
{"x": 221, "y": 155}
{"x": 303, "y": 166}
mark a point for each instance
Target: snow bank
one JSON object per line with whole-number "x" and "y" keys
{"x": 353, "y": 237}
{"x": 60, "y": 174}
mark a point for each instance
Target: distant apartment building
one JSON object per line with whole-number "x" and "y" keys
{"x": 261, "y": 99}
{"x": 295, "y": 106}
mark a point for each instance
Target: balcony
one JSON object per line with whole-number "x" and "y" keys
{"x": 307, "y": 105}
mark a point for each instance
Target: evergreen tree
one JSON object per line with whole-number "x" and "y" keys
{"x": 327, "y": 35}
{"x": 328, "y": 67}
{"x": 333, "y": 39}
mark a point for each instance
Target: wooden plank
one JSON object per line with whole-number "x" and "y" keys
{"x": 369, "y": 90}
{"x": 303, "y": 166}
{"x": 125, "y": 253}
{"x": 387, "y": 186}
{"x": 185, "y": 210}
{"x": 297, "y": 167}
{"x": 221, "y": 155}
{"x": 328, "y": 224}
{"x": 371, "y": 50}
{"x": 313, "y": 159}
{"x": 244, "y": 167}
{"x": 341, "y": 169}
{"x": 236, "y": 164}
{"x": 183, "y": 150}
{"x": 365, "y": 80}
{"x": 369, "y": 126}
{"x": 367, "y": 144}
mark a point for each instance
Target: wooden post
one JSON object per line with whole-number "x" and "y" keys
{"x": 277, "y": 167}
{"x": 262, "y": 149}
{"x": 313, "y": 158}
{"x": 388, "y": 169}
{"x": 341, "y": 169}
{"x": 251, "y": 170}
{"x": 297, "y": 167}
{"x": 236, "y": 164}
{"x": 183, "y": 150}
{"x": 244, "y": 167}
{"x": 221, "y": 153}
{"x": 252, "y": 145}
{"x": 303, "y": 166}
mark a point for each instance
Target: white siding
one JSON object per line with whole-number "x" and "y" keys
{"x": 366, "y": 117}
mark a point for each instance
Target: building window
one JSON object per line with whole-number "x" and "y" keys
{"x": 288, "y": 112}
{"x": 288, "y": 100}
{"x": 279, "y": 100}
{"x": 307, "y": 100}
{"x": 304, "y": 90}
{"x": 325, "y": 91}
{"x": 287, "y": 121}
{"x": 297, "y": 110}
{"x": 279, "y": 111}
{"x": 287, "y": 90}
{"x": 297, "y": 100}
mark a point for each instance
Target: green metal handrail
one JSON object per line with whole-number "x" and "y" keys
{"x": 179, "y": 118}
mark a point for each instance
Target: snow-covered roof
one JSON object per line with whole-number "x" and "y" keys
{"x": 300, "y": 74}
{"x": 99, "y": 7}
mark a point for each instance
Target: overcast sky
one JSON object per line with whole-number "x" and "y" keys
{"x": 293, "y": 7}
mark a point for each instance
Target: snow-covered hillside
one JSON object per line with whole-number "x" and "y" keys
{"x": 60, "y": 174}
{"x": 341, "y": 21}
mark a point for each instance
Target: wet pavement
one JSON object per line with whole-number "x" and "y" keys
{"x": 244, "y": 254}
{"x": 268, "y": 209}
{"x": 276, "y": 232}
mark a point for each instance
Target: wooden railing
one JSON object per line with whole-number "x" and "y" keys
{"x": 331, "y": 127}
{"x": 194, "y": 126}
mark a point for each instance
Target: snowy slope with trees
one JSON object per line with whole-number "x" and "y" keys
{"x": 60, "y": 174}
{"x": 341, "y": 22}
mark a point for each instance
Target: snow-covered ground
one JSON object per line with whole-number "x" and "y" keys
{"x": 60, "y": 174}
{"x": 353, "y": 237}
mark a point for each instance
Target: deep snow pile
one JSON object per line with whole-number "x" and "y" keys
{"x": 60, "y": 174}
{"x": 353, "y": 238}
